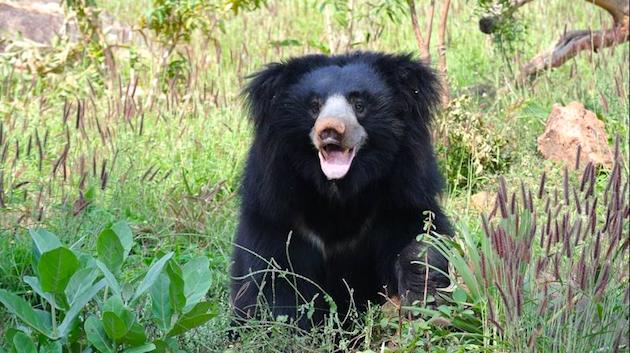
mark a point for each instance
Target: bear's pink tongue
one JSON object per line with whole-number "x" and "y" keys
{"x": 335, "y": 162}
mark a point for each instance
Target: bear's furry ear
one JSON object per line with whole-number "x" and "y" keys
{"x": 261, "y": 91}
{"x": 415, "y": 82}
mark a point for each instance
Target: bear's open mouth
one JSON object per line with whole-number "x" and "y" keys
{"x": 335, "y": 160}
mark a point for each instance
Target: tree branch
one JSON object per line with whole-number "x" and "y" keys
{"x": 571, "y": 44}
{"x": 429, "y": 30}
{"x": 424, "y": 52}
{"x": 442, "y": 49}
{"x": 618, "y": 9}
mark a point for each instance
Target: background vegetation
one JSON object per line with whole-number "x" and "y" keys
{"x": 151, "y": 133}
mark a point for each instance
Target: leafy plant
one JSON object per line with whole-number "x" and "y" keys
{"x": 498, "y": 18}
{"x": 173, "y": 22}
{"x": 74, "y": 316}
{"x": 469, "y": 147}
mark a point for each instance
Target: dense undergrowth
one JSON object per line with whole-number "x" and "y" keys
{"x": 157, "y": 138}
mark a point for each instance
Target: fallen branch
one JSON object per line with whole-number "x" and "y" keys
{"x": 571, "y": 44}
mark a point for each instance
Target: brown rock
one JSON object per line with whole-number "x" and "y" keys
{"x": 37, "y": 21}
{"x": 41, "y": 20}
{"x": 572, "y": 126}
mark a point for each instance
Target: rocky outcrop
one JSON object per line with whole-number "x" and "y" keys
{"x": 37, "y": 21}
{"x": 40, "y": 21}
{"x": 569, "y": 127}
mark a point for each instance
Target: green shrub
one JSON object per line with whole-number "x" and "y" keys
{"x": 470, "y": 149}
{"x": 499, "y": 18}
{"x": 85, "y": 301}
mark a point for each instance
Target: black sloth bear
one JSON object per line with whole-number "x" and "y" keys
{"x": 339, "y": 174}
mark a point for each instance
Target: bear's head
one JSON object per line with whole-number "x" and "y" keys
{"x": 341, "y": 122}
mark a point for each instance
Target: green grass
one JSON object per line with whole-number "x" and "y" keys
{"x": 173, "y": 169}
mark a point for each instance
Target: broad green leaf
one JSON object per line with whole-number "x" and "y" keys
{"x": 43, "y": 241}
{"x": 79, "y": 304}
{"x": 75, "y": 332}
{"x": 37, "y": 288}
{"x": 44, "y": 316}
{"x": 446, "y": 310}
{"x": 114, "y": 326}
{"x": 114, "y": 304}
{"x": 459, "y": 295}
{"x": 199, "y": 314}
{"x": 8, "y": 337}
{"x": 23, "y": 310}
{"x": 79, "y": 283}
{"x": 160, "y": 303}
{"x": 96, "y": 335}
{"x": 166, "y": 345}
{"x": 85, "y": 260}
{"x": 149, "y": 347}
{"x": 151, "y": 276}
{"x": 55, "y": 268}
{"x": 160, "y": 346}
{"x": 128, "y": 317}
{"x": 136, "y": 335}
{"x": 109, "y": 277}
{"x": 110, "y": 250}
{"x": 117, "y": 320}
{"x": 176, "y": 286}
{"x": 196, "y": 280}
{"x": 23, "y": 343}
{"x": 50, "y": 347}
{"x": 122, "y": 230}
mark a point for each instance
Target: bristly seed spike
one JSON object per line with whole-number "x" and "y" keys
{"x": 503, "y": 205}
{"x": 578, "y": 156}
{"x": 541, "y": 186}
{"x": 578, "y": 232}
{"x": 578, "y": 206}
{"x": 617, "y": 150}
{"x": 565, "y": 186}
{"x": 585, "y": 175}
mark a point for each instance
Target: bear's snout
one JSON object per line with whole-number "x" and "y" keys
{"x": 337, "y": 125}
{"x": 330, "y": 130}
{"x": 337, "y": 136}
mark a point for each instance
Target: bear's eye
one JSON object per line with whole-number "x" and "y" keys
{"x": 359, "y": 107}
{"x": 314, "y": 106}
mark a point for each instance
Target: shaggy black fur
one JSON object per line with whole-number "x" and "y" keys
{"x": 358, "y": 232}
